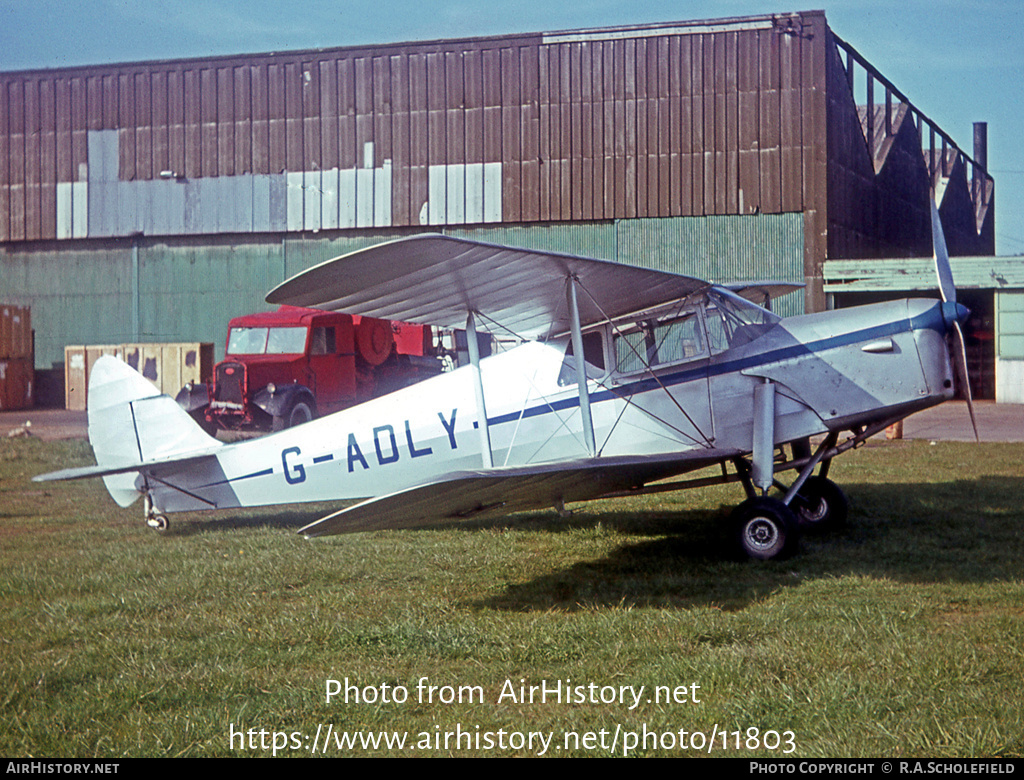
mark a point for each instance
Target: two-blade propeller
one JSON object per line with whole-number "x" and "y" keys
{"x": 948, "y": 292}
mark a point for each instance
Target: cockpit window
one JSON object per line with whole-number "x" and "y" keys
{"x": 654, "y": 342}
{"x": 733, "y": 321}
{"x": 593, "y": 357}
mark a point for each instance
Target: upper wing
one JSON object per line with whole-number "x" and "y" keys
{"x": 762, "y": 292}
{"x": 436, "y": 280}
{"x": 474, "y": 494}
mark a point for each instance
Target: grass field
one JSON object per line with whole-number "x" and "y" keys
{"x": 902, "y": 635}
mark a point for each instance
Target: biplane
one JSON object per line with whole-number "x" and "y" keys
{"x": 624, "y": 381}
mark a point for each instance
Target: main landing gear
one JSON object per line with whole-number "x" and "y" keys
{"x": 765, "y": 528}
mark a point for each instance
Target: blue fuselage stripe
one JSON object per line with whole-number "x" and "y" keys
{"x": 706, "y": 368}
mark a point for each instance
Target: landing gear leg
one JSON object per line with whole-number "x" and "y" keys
{"x": 820, "y": 506}
{"x": 817, "y": 502}
{"x": 153, "y": 518}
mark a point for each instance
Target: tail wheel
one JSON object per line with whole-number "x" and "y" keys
{"x": 765, "y": 529}
{"x": 820, "y": 506}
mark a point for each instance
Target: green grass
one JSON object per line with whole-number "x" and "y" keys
{"x": 902, "y": 635}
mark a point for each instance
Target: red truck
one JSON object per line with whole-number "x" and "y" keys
{"x": 286, "y": 367}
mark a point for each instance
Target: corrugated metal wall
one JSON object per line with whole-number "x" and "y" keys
{"x": 885, "y": 159}
{"x": 145, "y": 290}
{"x": 674, "y": 120}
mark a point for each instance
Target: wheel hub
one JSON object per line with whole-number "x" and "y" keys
{"x": 762, "y": 533}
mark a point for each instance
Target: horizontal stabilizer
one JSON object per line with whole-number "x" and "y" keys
{"x": 478, "y": 494}
{"x": 87, "y": 472}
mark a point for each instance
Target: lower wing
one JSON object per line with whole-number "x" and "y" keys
{"x": 474, "y": 494}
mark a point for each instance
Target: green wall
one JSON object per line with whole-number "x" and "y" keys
{"x": 148, "y": 290}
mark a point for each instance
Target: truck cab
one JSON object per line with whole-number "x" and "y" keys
{"x": 286, "y": 367}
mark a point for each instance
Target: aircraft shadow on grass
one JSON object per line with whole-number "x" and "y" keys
{"x": 959, "y": 531}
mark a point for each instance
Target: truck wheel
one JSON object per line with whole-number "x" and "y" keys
{"x": 297, "y": 413}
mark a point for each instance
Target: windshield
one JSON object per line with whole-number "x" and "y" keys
{"x": 267, "y": 341}
{"x": 653, "y": 342}
{"x": 733, "y": 321}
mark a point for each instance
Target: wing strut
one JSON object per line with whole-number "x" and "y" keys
{"x": 581, "y": 367}
{"x": 478, "y": 386}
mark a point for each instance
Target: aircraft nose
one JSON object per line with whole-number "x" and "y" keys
{"x": 953, "y": 312}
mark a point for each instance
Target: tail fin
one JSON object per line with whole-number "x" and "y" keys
{"x": 130, "y": 422}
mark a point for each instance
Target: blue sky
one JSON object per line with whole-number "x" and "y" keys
{"x": 959, "y": 61}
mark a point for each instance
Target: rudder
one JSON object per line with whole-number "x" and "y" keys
{"x": 131, "y": 421}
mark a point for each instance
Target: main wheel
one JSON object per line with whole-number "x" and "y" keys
{"x": 820, "y": 506}
{"x": 765, "y": 529}
{"x": 297, "y": 413}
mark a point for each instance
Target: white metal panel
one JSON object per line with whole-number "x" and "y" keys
{"x": 364, "y": 197}
{"x": 437, "y": 194}
{"x": 65, "y": 210}
{"x": 382, "y": 195}
{"x": 311, "y": 198}
{"x": 80, "y": 209}
{"x": 347, "y": 198}
{"x": 295, "y": 183}
{"x": 492, "y": 192}
{"x": 329, "y": 199}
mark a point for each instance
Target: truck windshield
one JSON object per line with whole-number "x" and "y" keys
{"x": 266, "y": 341}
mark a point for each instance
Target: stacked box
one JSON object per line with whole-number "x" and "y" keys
{"x": 167, "y": 366}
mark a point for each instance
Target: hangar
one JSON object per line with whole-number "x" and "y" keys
{"x": 152, "y": 201}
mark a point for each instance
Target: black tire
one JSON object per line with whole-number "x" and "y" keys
{"x": 765, "y": 529}
{"x": 299, "y": 412}
{"x": 820, "y": 506}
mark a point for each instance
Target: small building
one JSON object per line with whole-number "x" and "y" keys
{"x": 153, "y": 201}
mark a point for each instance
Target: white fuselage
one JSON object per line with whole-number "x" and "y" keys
{"x": 826, "y": 377}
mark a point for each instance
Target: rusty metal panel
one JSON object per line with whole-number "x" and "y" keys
{"x": 770, "y": 143}
{"x": 224, "y": 120}
{"x": 791, "y": 111}
{"x": 419, "y": 150}
{"x": 16, "y": 151}
{"x": 259, "y": 92}
{"x": 142, "y": 126}
{"x": 564, "y": 137}
{"x": 5, "y": 161}
{"x": 175, "y": 122}
{"x": 328, "y": 112}
{"x": 576, "y": 125}
{"x": 529, "y": 117}
{"x": 512, "y": 137}
{"x": 191, "y": 125}
{"x": 294, "y": 87}
{"x": 277, "y": 152}
{"x": 312, "y": 159}
{"x": 242, "y": 112}
{"x": 160, "y": 136}
{"x": 697, "y": 135}
{"x": 363, "y": 72}
{"x": 124, "y": 124}
{"x": 748, "y": 127}
{"x": 643, "y": 145}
